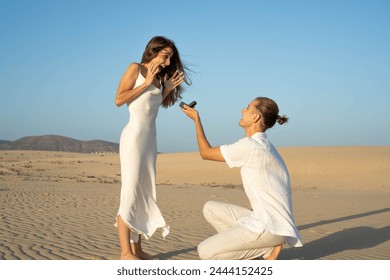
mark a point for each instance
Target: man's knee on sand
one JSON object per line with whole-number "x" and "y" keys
{"x": 205, "y": 252}
{"x": 208, "y": 209}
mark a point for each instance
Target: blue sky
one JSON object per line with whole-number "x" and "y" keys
{"x": 326, "y": 64}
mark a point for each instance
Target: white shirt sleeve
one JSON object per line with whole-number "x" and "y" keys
{"x": 238, "y": 153}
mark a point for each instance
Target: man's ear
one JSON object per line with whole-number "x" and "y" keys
{"x": 256, "y": 117}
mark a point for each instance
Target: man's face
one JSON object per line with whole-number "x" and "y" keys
{"x": 249, "y": 114}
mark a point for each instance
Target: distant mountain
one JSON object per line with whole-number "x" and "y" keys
{"x": 5, "y": 141}
{"x": 59, "y": 143}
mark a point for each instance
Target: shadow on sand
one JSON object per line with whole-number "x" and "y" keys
{"x": 348, "y": 239}
{"x": 169, "y": 255}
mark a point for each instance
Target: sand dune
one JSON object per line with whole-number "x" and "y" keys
{"x": 346, "y": 167}
{"x": 57, "y": 205}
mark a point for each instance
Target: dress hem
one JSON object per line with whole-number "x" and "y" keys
{"x": 165, "y": 230}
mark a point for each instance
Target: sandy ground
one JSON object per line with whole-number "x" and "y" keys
{"x": 56, "y": 205}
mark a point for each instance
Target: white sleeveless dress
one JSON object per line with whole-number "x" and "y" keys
{"x": 138, "y": 153}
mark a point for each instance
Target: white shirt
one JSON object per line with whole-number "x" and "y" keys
{"x": 267, "y": 184}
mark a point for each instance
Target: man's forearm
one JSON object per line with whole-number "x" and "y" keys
{"x": 203, "y": 144}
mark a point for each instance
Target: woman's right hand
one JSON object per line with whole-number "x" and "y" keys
{"x": 153, "y": 70}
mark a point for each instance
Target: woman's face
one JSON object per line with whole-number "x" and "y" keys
{"x": 163, "y": 58}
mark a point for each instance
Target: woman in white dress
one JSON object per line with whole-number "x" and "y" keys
{"x": 144, "y": 87}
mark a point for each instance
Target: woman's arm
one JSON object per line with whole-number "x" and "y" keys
{"x": 165, "y": 93}
{"x": 126, "y": 92}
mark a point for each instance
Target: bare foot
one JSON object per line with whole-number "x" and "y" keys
{"x": 275, "y": 253}
{"x": 129, "y": 257}
{"x": 137, "y": 250}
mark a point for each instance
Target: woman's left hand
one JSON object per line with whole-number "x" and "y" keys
{"x": 176, "y": 79}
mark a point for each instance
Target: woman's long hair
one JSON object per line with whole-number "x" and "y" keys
{"x": 155, "y": 45}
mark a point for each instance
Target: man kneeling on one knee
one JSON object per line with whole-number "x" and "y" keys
{"x": 244, "y": 234}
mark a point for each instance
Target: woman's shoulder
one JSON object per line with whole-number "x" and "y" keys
{"x": 133, "y": 70}
{"x": 135, "y": 66}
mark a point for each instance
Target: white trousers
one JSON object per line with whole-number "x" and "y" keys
{"x": 233, "y": 241}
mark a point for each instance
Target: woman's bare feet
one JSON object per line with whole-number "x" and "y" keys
{"x": 275, "y": 253}
{"x": 136, "y": 248}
